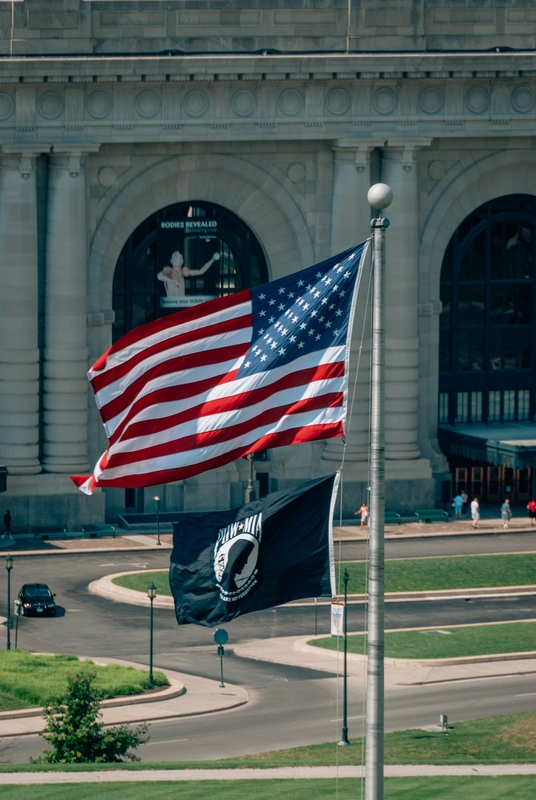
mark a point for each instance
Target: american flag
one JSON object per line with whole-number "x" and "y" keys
{"x": 261, "y": 368}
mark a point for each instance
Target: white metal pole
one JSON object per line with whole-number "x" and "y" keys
{"x": 379, "y": 197}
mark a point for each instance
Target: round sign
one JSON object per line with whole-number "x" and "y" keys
{"x": 220, "y": 636}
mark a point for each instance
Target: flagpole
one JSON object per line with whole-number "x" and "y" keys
{"x": 379, "y": 196}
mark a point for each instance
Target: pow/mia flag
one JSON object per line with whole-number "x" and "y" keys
{"x": 261, "y": 555}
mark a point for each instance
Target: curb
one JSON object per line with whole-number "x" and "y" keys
{"x": 104, "y": 587}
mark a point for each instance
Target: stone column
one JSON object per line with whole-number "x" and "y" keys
{"x": 19, "y": 355}
{"x": 65, "y": 388}
{"x": 399, "y": 170}
{"x": 351, "y": 217}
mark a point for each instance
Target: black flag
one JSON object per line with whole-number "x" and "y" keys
{"x": 258, "y": 556}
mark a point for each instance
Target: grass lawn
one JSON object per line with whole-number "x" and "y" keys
{"x": 514, "y": 787}
{"x": 32, "y": 680}
{"x": 497, "y": 740}
{"x": 405, "y": 574}
{"x": 473, "y": 640}
{"x": 139, "y": 581}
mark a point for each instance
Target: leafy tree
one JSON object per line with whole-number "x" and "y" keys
{"x": 76, "y": 732}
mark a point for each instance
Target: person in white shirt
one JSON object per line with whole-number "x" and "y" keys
{"x": 475, "y": 512}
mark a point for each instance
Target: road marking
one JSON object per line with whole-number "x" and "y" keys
{"x": 529, "y": 694}
{"x": 121, "y": 564}
{"x": 168, "y": 741}
{"x": 359, "y": 716}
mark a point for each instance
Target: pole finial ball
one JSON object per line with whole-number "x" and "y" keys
{"x": 380, "y": 195}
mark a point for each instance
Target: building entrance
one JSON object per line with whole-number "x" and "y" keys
{"x": 491, "y": 484}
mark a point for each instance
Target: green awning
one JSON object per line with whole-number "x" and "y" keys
{"x": 508, "y": 445}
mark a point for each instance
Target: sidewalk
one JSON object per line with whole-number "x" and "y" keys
{"x": 190, "y": 696}
{"x": 270, "y": 773}
{"x": 24, "y": 544}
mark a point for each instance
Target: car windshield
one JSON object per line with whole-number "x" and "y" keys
{"x": 37, "y": 591}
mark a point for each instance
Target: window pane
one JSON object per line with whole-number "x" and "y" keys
{"x": 463, "y": 350}
{"x": 444, "y": 351}
{"x": 495, "y": 350}
{"x": 443, "y": 408}
{"x": 473, "y": 263}
{"x": 496, "y": 301}
{"x": 494, "y": 406}
{"x": 476, "y": 406}
{"x": 509, "y": 405}
{"x": 477, "y": 305}
{"x": 464, "y": 305}
{"x": 462, "y": 407}
{"x": 477, "y": 350}
{"x": 496, "y": 251}
{"x": 524, "y": 349}
{"x": 509, "y": 349}
{"x": 446, "y": 294}
{"x": 523, "y": 404}
{"x": 525, "y": 304}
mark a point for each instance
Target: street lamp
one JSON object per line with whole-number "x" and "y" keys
{"x": 151, "y": 594}
{"x": 250, "y": 490}
{"x": 157, "y": 506}
{"x": 9, "y": 567}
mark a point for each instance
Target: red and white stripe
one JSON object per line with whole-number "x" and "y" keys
{"x": 173, "y": 406}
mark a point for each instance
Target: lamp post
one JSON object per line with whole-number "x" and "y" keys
{"x": 157, "y": 506}
{"x": 151, "y": 594}
{"x": 9, "y": 567}
{"x": 250, "y": 491}
{"x": 344, "y": 733}
{"x": 380, "y": 196}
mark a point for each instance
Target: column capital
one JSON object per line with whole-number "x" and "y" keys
{"x": 75, "y": 154}
{"x": 27, "y": 154}
{"x": 356, "y": 150}
{"x": 408, "y": 147}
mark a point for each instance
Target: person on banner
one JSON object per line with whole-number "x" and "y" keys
{"x": 173, "y": 276}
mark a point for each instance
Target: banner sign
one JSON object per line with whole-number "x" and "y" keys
{"x": 337, "y": 620}
{"x": 188, "y": 261}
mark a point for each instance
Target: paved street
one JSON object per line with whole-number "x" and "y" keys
{"x": 289, "y": 706}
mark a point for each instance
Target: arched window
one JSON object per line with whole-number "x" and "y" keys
{"x": 220, "y": 253}
{"x": 487, "y": 354}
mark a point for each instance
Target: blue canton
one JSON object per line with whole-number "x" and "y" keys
{"x": 302, "y": 313}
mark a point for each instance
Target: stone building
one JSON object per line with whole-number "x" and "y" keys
{"x": 270, "y": 118}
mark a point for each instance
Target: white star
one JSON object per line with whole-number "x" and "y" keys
{"x": 281, "y": 351}
{"x": 321, "y": 319}
{"x": 271, "y": 320}
{"x": 324, "y": 301}
{"x": 331, "y": 306}
{"x": 338, "y": 312}
{"x": 284, "y": 331}
{"x": 292, "y": 338}
{"x": 328, "y": 281}
{"x": 281, "y": 290}
{"x": 336, "y": 331}
{"x": 295, "y": 318}
{"x": 305, "y": 306}
{"x": 317, "y": 337}
{"x": 300, "y": 283}
{"x": 273, "y": 345}
{"x": 262, "y": 313}
{"x": 314, "y": 312}
{"x": 317, "y": 294}
{"x": 335, "y": 288}
{"x": 309, "y": 288}
{"x": 346, "y": 275}
{"x": 300, "y": 345}
{"x": 340, "y": 269}
{"x": 350, "y": 257}
{"x": 262, "y": 296}
{"x": 328, "y": 324}
{"x": 247, "y": 364}
{"x": 263, "y": 358}
{"x": 272, "y": 302}
{"x": 318, "y": 274}
{"x": 311, "y": 331}
{"x": 291, "y": 295}
{"x": 303, "y": 326}
{"x": 342, "y": 293}
{"x": 281, "y": 307}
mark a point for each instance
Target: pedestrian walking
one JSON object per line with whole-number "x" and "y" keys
{"x": 531, "y": 505}
{"x": 475, "y": 512}
{"x": 465, "y": 500}
{"x": 506, "y": 513}
{"x": 363, "y": 511}
{"x": 458, "y": 504}
{"x": 7, "y": 525}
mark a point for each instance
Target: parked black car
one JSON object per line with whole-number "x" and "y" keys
{"x": 36, "y": 598}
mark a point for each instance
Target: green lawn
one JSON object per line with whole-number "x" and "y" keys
{"x": 497, "y": 740}
{"x": 406, "y": 574}
{"x": 447, "y": 788}
{"x": 29, "y": 680}
{"x": 473, "y": 640}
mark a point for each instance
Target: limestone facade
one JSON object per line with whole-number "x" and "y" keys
{"x": 110, "y": 111}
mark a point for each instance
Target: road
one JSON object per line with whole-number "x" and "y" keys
{"x": 289, "y": 706}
